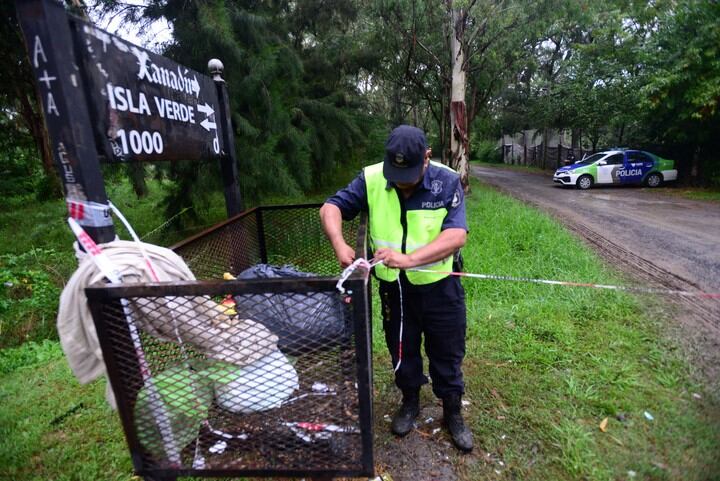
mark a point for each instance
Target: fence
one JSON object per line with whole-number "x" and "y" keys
{"x": 541, "y": 156}
{"x": 267, "y": 375}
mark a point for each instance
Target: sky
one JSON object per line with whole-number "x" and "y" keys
{"x": 158, "y": 33}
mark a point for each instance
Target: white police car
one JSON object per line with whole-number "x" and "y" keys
{"x": 617, "y": 167}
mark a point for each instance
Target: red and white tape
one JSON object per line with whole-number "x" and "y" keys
{"x": 644, "y": 290}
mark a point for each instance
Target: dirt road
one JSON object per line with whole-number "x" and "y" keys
{"x": 658, "y": 240}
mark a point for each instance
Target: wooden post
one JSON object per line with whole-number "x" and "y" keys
{"x": 61, "y": 88}
{"x": 228, "y": 159}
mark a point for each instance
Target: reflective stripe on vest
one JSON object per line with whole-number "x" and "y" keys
{"x": 386, "y": 228}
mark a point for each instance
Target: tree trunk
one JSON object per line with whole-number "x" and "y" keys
{"x": 545, "y": 148}
{"x": 458, "y": 116}
{"x": 574, "y": 139}
{"x": 35, "y": 125}
{"x": 396, "y": 115}
{"x": 444, "y": 125}
{"x": 695, "y": 168}
{"x": 136, "y": 173}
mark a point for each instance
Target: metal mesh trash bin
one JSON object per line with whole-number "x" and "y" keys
{"x": 204, "y": 382}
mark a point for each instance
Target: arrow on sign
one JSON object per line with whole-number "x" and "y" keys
{"x": 208, "y": 125}
{"x": 206, "y": 109}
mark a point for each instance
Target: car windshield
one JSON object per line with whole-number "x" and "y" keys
{"x": 591, "y": 159}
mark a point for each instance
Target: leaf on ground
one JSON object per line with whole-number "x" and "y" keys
{"x": 603, "y": 425}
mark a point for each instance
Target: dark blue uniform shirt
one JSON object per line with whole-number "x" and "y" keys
{"x": 440, "y": 188}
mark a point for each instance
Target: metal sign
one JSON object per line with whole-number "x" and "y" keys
{"x": 146, "y": 107}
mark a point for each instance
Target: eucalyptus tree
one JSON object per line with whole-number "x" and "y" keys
{"x": 680, "y": 95}
{"x": 585, "y": 71}
{"x": 453, "y": 56}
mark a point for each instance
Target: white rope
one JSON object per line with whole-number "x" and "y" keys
{"x": 400, "y": 336}
{"x": 157, "y": 406}
{"x": 148, "y": 262}
{"x": 347, "y": 272}
{"x": 198, "y": 460}
{"x": 240, "y": 342}
{"x": 75, "y": 323}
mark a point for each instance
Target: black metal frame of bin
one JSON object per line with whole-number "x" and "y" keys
{"x": 125, "y": 381}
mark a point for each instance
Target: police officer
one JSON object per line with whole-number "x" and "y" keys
{"x": 417, "y": 221}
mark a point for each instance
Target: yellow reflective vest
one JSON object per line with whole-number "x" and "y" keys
{"x": 391, "y": 225}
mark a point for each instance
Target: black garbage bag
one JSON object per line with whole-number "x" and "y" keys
{"x": 303, "y": 322}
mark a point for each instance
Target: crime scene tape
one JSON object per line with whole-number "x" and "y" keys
{"x": 644, "y": 290}
{"x": 368, "y": 264}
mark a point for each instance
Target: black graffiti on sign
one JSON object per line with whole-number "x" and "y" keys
{"x": 145, "y": 106}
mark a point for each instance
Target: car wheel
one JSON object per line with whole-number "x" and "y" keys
{"x": 654, "y": 180}
{"x": 584, "y": 182}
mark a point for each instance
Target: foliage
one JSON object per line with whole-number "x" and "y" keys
{"x": 643, "y": 75}
{"x": 19, "y": 172}
{"x": 24, "y": 151}
{"x": 681, "y": 89}
{"x": 30, "y": 354}
{"x": 296, "y": 110}
{"x": 28, "y": 297}
{"x": 487, "y": 151}
{"x": 544, "y": 366}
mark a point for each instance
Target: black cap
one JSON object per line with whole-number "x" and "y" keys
{"x": 404, "y": 154}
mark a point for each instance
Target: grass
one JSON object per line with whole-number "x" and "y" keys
{"x": 693, "y": 193}
{"x": 52, "y": 428}
{"x": 545, "y": 365}
{"x": 35, "y": 265}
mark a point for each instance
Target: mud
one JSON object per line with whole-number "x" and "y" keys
{"x": 426, "y": 454}
{"x": 657, "y": 240}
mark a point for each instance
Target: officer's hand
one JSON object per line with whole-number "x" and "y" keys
{"x": 393, "y": 259}
{"x": 345, "y": 254}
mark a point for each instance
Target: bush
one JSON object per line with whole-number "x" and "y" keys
{"x": 28, "y": 297}
{"x": 487, "y": 151}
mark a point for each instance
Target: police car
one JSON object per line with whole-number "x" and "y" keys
{"x": 617, "y": 167}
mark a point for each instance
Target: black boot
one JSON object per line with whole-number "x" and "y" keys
{"x": 402, "y": 421}
{"x": 461, "y": 435}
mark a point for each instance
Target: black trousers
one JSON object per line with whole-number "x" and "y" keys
{"x": 435, "y": 312}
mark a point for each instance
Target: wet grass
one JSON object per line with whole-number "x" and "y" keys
{"x": 52, "y": 428}
{"x": 693, "y": 193}
{"x": 545, "y": 366}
